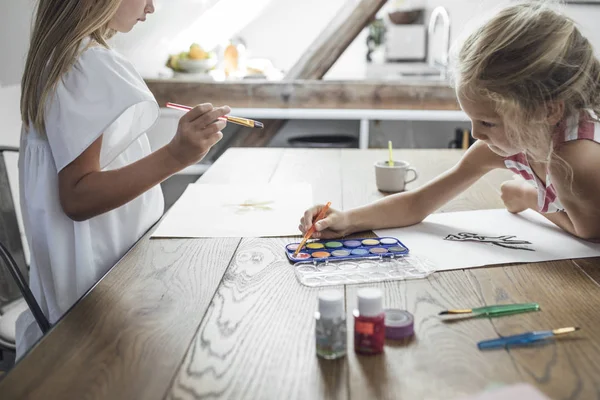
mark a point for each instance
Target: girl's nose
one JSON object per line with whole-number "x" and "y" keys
{"x": 477, "y": 135}
{"x": 149, "y": 7}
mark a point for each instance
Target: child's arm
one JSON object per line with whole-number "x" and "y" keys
{"x": 581, "y": 196}
{"x": 579, "y": 193}
{"x": 86, "y": 191}
{"x": 410, "y": 207}
{"x": 518, "y": 195}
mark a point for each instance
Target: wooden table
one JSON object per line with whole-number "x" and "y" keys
{"x": 226, "y": 318}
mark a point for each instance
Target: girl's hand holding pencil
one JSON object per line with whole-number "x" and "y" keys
{"x": 198, "y": 130}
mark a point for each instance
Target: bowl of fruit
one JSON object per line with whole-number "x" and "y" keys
{"x": 197, "y": 60}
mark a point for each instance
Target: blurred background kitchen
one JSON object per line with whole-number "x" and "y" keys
{"x": 250, "y": 54}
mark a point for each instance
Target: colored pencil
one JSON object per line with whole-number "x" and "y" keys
{"x": 236, "y": 120}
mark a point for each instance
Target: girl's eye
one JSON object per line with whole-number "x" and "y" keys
{"x": 487, "y": 124}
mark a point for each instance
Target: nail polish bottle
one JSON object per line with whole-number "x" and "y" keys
{"x": 369, "y": 322}
{"x": 331, "y": 325}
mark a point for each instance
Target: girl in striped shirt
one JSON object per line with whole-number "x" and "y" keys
{"x": 530, "y": 83}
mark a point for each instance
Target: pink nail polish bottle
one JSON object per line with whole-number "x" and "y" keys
{"x": 369, "y": 322}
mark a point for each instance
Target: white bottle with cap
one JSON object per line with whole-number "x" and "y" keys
{"x": 331, "y": 325}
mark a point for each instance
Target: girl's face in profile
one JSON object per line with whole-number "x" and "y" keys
{"x": 129, "y": 13}
{"x": 487, "y": 125}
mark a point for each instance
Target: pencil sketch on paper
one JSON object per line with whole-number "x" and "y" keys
{"x": 506, "y": 241}
{"x": 252, "y": 205}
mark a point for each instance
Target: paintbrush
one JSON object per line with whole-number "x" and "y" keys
{"x": 391, "y": 160}
{"x": 312, "y": 228}
{"x": 495, "y": 311}
{"x": 236, "y": 120}
{"x": 523, "y": 338}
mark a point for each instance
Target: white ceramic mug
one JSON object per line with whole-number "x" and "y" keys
{"x": 393, "y": 178}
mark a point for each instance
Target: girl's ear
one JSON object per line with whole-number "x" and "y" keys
{"x": 555, "y": 112}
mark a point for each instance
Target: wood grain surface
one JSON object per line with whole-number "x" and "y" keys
{"x": 227, "y": 318}
{"x": 442, "y": 361}
{"x": 568, "y": 368}
{"x": 258, "y": 338}
{"x": 591, "y": 266}
{"x": 127, "y": 337}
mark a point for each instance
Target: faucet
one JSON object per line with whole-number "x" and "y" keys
{"x": 440, "y": 12}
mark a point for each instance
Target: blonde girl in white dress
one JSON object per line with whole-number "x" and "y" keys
{"x": 89, "y": 182}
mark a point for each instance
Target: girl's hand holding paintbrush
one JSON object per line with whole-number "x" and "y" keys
{"x": 334, "y": 224}
{"x": 198, "y": 131}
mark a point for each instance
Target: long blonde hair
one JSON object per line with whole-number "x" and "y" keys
{"x": 60, "y": 27}
{"x": 526, "y": 59}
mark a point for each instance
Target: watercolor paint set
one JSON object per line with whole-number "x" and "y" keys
{"x": 354, "y": 261}
{"x": 351, "y": 249}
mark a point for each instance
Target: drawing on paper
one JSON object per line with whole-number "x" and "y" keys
{"x": 252, "y": 205}
{"x": 506, "y": 241}
{"x": 236, "y": 210}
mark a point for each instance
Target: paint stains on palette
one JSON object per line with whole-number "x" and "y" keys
{"x": 331, "y": 250}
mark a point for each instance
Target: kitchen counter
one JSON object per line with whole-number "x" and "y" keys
{"x": 409, "y": 94}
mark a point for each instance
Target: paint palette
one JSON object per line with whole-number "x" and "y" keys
{"x": 350, "y": 249}
{"x": 365, "y": 270}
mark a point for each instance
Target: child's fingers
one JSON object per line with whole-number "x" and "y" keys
{"x": 213, "y": 139}
{"x": 518, "y": 177}
{"x": 214, "y": 128}
{"x": 325, "y": 223}
{"x": 196, "y": 112}
{"x": 210, "y": 117}
{"x": 308, "y": 217}
{"x": 215, "y": 114}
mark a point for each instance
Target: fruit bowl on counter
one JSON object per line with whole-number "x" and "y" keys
{"x": 197, "y": 66}
{"x": 195, "y": 61}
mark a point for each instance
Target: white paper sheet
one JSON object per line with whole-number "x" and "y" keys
{"x": 207, "y": 210}
{"x": 546, "y": 241}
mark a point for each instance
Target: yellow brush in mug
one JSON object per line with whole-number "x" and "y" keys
{"x": 391, "y": 160}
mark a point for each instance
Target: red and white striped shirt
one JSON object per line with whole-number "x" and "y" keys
{"x": 583, "y": 126}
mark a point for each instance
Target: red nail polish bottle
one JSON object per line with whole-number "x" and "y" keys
{"x": 369, "y": 322}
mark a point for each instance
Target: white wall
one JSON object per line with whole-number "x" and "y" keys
{"x": 285, "y": 29}
{"x": 10, "y": 128}
{"x": 277, "y": 29}
{"x": 463, "y": 11}
{"x": 15, "y": 22}
{"x": 178, "y": 23}
{"x": 352, "y": 63}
